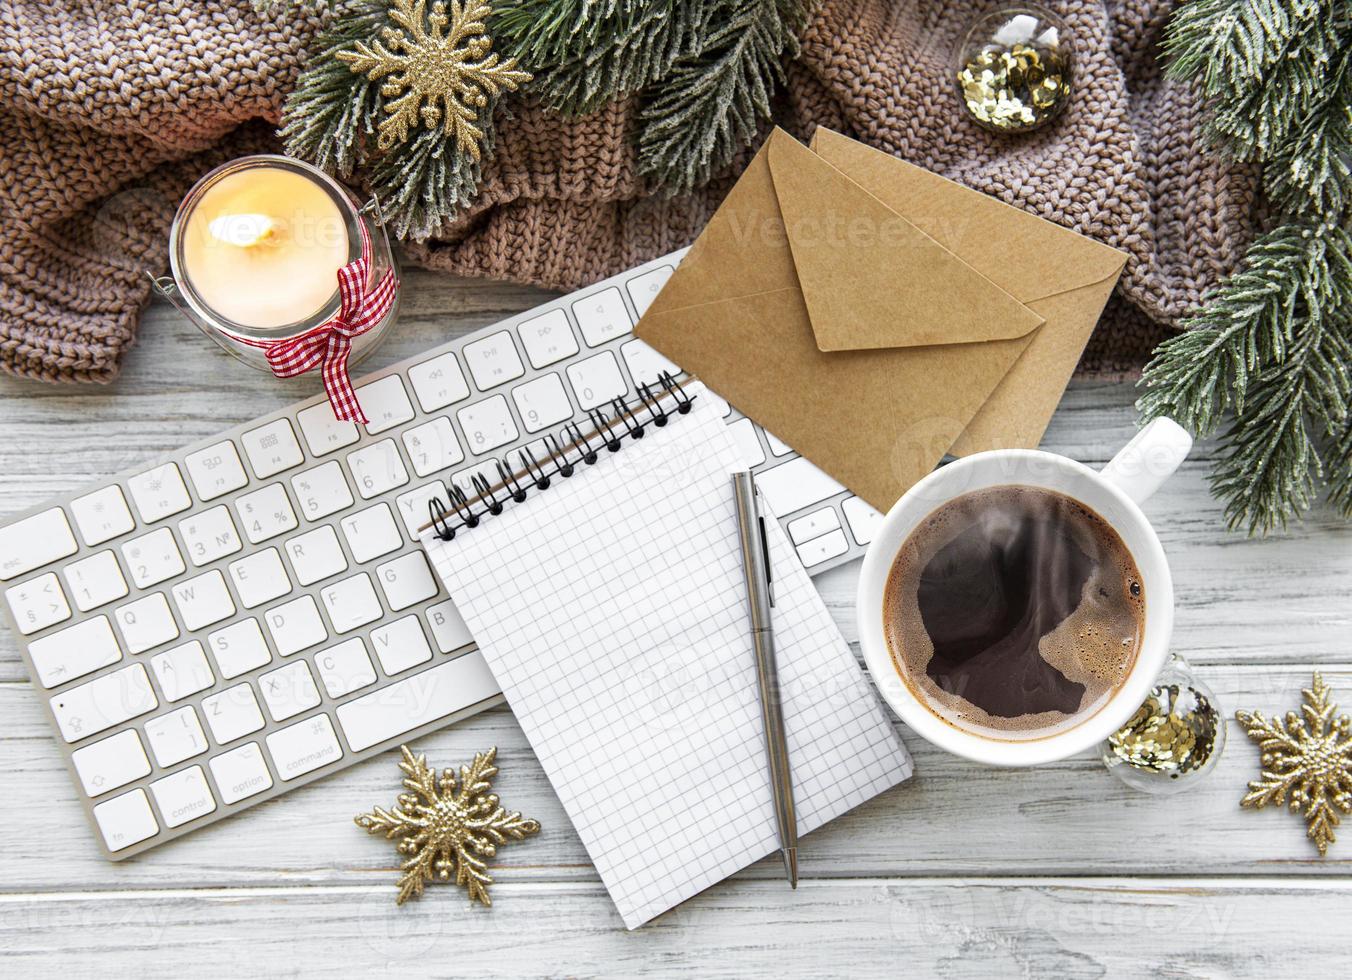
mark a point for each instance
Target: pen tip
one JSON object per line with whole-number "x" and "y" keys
{"x": 791, "y": 866}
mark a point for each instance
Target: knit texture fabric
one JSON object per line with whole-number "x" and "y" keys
{"x": 110, "y": 111}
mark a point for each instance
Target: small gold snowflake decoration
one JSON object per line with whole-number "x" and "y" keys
{"x": 445, "y": 827}
{"x": 1307, "y": 759}
{"x": 438, "y": 70}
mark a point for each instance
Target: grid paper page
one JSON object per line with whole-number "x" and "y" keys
{"x": 611, "y": 608}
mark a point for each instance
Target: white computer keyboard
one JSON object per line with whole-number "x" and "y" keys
{"x": 253, "y": 612}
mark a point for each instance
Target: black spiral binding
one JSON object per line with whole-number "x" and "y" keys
{"x": 568, "y": 450}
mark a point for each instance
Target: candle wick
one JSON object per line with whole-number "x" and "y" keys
{"x": 242, "y": 230}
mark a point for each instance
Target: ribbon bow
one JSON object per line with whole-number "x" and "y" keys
{"x": 330, "y": 343}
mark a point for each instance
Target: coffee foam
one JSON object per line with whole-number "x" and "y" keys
{"x": 1095, "y": 646}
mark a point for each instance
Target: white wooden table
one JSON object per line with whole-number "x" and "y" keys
{"x": 964, "y": 871}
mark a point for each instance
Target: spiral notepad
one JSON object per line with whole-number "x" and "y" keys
{"x": 610, "y": 605}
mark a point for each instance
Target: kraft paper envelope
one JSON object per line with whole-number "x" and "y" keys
{"x": 876, "y": 316}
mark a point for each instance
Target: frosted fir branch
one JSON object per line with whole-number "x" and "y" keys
{"x": 1247, "y": 324}
{"x": 713, "y": 101}
{"x": 586, "y": 53}
{"x": 331, "y": 115}
{"x": 1311, "y": 173}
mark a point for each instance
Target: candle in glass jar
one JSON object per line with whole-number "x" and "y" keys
{"x": 263, "y": 245}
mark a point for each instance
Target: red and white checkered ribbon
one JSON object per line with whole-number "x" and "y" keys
{"x": 329, "y": 344}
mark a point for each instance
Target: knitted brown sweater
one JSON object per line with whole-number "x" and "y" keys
{"x": 110, "y": 110}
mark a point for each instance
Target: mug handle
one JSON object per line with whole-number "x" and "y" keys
{"x": 1142, "y": 465}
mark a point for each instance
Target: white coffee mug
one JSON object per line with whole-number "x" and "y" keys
{"x": 1115, "y": 493}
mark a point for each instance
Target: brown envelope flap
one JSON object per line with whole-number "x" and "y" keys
{"x": 1026, "y": 255}
{"x": 877, "y": 421}
{"x": 870, "y": 278}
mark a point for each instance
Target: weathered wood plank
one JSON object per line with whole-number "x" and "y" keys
{"x": 957, "y": 928}
{"x": 954, "y": 817}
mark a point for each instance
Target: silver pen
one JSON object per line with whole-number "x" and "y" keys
{"x": 761, "y": 599}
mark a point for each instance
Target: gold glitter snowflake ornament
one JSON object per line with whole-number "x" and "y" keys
{"x": 1307, "y": 759}
{"x": 438, "y": 70}
{"x": 444, "y": 827}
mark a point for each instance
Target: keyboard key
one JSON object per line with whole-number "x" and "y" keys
{"x": 794, "y": 485}
{"x": 126, "y": 820}
{"x": 352, "y": 603}
{"x": 401, "y": 645}
{"x": 324, "y": 433}
{"x": 432, "y": 446}
{"x": 35, "y": 541}
{"x": 316, "y": 555}
{"x": 209, "y": 535}
{"x": 102, "y": 515}
{"x": 547, "y": 338}
{"x": 272, "y": 448}
{"x": 182, "y": 671}
{"x": 38, "y": 603}
{"x": 744, "y": 434}
{"x": 176, "y": 736}
{"x": 493, "y": 361}
{"x": 487, "y": 425}
{"x": 413, "y": 505}
{"x": 322, "y": 491}
{"x": 266, "y": 513}
{"x": 862, "y": 518}
{"x": 239, "y": 648}
{"x": 777, "y": 447}
{"x": 645, "y": 364}
{"x": 104, "y": 702}
{"x": 371, "y": 533}
{"x": 542, "y": 402}
{"x": 95, "y": 580}
{"x": 377, "y": 468}
{"x": 438, "y": 382}
{"x": 233, "y": 713}
{"x": 345, "y": 668}
{"x": 602, "y": 316}
{"x": 289, "y": 690}
{"x": 295, "y": 625}
{"x": 203, "y": 600}
{"x": 184, "y": 796}
{"x": 153, "y": 558}
{"x": 407, "y": 580}
{"x": 259, "y": 578}
{"x": 643, "y": 289}
{"x": 216, "y": 470}
{"x": 408, "y": 704}
{"x": 304, "y": 747}
{"x": 821, "y": 549}
{"x": 241, "y": 773}
{"x": 74, "y": 651}
{"x": 449, "y": 631}
{"x": 159, "y": 493}
{"x": 385, "y": 403}
{"x": 112, "y": 763}
{"x": 146, "y": 623}
{"x": 813, "y": 525}
{"x": 464, "y": 479}
{"x": 597, "y": 380}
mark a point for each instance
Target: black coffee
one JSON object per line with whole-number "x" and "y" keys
{"x": 1014, "y": 612}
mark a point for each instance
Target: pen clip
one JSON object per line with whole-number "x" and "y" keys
{"x": 765, "y": 548}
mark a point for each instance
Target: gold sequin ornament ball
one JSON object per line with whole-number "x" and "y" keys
{"x": 1014, "y": 69}
{"x": 446, "y": 827}
{"x": 1307, "y": 763}
{"x": 1173, "y": 739}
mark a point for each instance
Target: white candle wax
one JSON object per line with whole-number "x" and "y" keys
{"x": 263, "y": 246}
